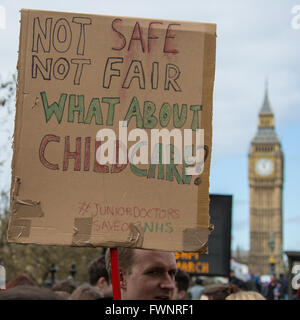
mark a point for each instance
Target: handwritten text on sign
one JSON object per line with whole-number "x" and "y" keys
{"x": 62, "y": 37}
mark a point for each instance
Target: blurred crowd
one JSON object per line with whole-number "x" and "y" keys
{"x": 98, "y": 287}
{"x": 255, "y": 288}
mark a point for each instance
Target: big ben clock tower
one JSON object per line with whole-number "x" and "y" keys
{"x": 265, "y": 170}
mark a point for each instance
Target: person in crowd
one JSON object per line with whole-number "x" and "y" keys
{"x": 283, "y": 279}
{"x": 271, "y": 291}
{"x": 218, "y": 291}
{"x": 64, "y": 288}
{"x": 29, "y": 292}
{"x": 20, "y": 280}
{"x": 236, "y": 281}
{"x": 245, "y": 295}
{"x": 250, "y": 284}
{"x": 197, "y": 289}
{"x": 98, "y": 276}
{"x": 86, "y": 292}
{"x": 257, "y": 282}
{"x": 145, "y": 274}
{"x": 182, "y": 280}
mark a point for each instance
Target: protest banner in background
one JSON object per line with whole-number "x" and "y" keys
{"x": 217, "y": 261}
{"x": 81, "y": 73}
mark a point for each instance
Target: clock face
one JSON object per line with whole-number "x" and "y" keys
{"x": 264, "y": 167}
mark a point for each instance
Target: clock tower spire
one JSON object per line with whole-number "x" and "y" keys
{"x": 266, "y": 116}
{"x": 265, "y": 172}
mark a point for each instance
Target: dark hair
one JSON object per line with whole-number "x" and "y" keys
{"x": 86, "y": 292}
{"x": 220, "y": 291}
{"x": 20, "y": 280}
{"x": 96, "y": 270}
{"x": 182, "y": 280}
{"x": 28, "y": 293}
{"x": 68, "y": 286}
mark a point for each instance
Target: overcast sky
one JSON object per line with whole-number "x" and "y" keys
{"x": 255, "y": 40}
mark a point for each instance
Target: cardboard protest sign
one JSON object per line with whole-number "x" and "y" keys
{"x": 79, "y": 77}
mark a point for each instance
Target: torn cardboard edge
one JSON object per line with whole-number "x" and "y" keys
{"x": 207, "y": 86}
{"x": 15, "y": 226}
{"x": 207, "y": 27}
{"x": 24, "y": 208}
{"x": 21, "y": 65}
{"x": 196, "y": 239}
{"x": 19, "y": 226}
{"x": 16, "y": 188}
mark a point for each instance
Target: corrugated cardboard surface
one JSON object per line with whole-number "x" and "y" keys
{"x": 58, "y": 200}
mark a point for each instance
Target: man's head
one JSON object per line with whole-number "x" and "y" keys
{"x": 86, "y": 292}
{"x": 218, "y": 291}
{"x": 232, "y": 273}
{"x": 199, "y": 281}
{"x": 182, "y": 280}
{"x": 98, "y": 276}
{"x": 20, "y": 280}
{"x": 68, "y": 285}
{"x": 29, "y": 292}
{"x": 273, "y": 277}
{"x": 146, "y": 274}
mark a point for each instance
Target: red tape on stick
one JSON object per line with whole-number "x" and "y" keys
{"x": 115, "y": 273}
